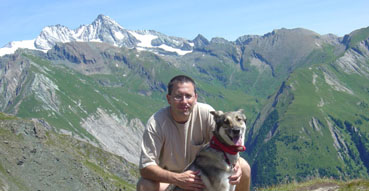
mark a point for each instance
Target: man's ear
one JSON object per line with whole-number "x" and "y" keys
{"x": 195, "y": 99}
{"x": 168, "y": 99}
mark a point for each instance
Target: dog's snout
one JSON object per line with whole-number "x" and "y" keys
{"x": 236, "y": 131}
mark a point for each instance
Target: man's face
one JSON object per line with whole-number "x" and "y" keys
{"x": 181, "y": 101}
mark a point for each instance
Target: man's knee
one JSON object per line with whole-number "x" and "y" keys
{"x": 245, "y": 182}
{"x": 147, "y": 185}
{"x": 245, "y": 167}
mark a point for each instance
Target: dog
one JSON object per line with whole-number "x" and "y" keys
{"x": 216, "y": 160}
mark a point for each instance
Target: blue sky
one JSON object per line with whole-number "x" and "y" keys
{"x": 24, "y": 19}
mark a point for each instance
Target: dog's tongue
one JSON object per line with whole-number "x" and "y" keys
{"x": 237, "y": 141}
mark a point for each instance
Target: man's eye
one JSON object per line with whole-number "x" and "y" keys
{"x": 188, "y": 96}
{"x": 180, "y": 97}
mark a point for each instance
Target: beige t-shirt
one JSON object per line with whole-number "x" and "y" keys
{"x": 171, "y": 145}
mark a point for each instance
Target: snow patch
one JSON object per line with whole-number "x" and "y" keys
{"x": 119, "y": 35}
{"x": 11, "y": 47}
{"x": 171, "y": 49}
{"x": 145, "y": 40}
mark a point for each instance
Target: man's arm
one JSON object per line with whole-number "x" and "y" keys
{"x": 188, "y": 180}
{"x": 236, "y": 177}
{"x": 242, "y": 180}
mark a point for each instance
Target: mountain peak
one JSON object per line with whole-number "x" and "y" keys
{"x": 105, "y": 20}
{"x": 106, "y": 30}
{"x": 200, "y": 41}
{"x": 102, "y": 17}
{"x": 200, "y": 37}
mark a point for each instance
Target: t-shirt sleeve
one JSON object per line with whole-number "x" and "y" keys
{"x": 151, "y": 145}
{"x": 210, "y": 122}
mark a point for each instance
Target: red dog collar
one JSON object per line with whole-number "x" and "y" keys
{"x": 230, "y": 149}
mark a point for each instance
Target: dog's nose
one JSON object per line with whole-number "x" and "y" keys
{"x": 236, "y": 131}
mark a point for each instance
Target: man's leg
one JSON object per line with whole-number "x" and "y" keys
{"x": 149, "y": 185}
{"x": 245, "y": 181}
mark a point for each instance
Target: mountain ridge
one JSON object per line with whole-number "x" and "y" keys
{"x": 102, "y": 29}
{"x": 105, "y": 29}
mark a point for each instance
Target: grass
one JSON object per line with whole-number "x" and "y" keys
{"x": 120, "y": 183}
{"x": 352, "y": 185}
{"x": 358, "y": 36}
{"x": 4, "y": 116}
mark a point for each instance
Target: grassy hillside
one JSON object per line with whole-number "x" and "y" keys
{"x": 35, "y": 157}
{"x": 315, "y": 125}
{"x": 322, "y": 185}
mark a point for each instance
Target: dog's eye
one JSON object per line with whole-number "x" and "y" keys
{"x": 226, "y": 121}
{"x": 238, "y": 119}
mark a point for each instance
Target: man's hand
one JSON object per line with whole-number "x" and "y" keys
{"x": 236, "y": 177}
{"x": 189, "y": 180}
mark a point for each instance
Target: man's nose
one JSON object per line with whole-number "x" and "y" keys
{"x": 183, "y": 99}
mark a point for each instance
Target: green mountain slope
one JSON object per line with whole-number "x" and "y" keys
{"x": 316, "y": 124}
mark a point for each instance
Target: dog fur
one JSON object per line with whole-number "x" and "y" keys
{"x": 216, "y": 165}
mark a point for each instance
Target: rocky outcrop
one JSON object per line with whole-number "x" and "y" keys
{"x": 33, "y": 156}
{"x": 13, "y": 76}
{"x": 116, "y": 134}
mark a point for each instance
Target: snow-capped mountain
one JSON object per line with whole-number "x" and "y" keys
{"x": 105, "y": 30}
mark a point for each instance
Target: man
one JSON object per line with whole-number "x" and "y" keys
{"x": 174, "y": 135}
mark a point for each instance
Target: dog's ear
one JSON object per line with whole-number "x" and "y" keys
{"x": 216, "y": 113}
{"x": 227, "y": 120}
{"x": 242, "y": 114}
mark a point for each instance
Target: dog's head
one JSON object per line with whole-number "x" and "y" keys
{"x": 230, "y": 127}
